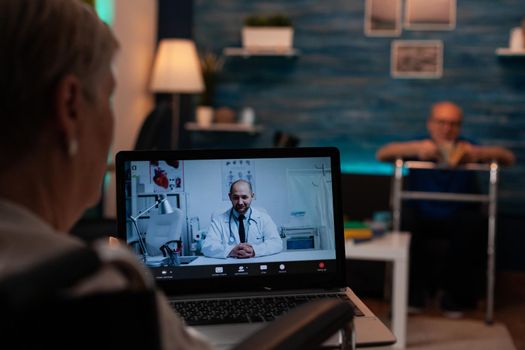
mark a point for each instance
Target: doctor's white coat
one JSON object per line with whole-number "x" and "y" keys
{"x": 261, "y": 233}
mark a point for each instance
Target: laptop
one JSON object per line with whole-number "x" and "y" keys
{"x": 175, "y": 212}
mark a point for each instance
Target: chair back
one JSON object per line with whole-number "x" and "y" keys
{"x": 39, "y": 313}
{"x": 162, "y": 229}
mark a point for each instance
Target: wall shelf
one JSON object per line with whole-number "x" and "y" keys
{"x": 506, "y": 52}
{"x": 224, "y": 127}
{"x": 240, "y": 51}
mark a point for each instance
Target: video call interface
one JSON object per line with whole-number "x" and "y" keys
{"x": 183, "y": 222}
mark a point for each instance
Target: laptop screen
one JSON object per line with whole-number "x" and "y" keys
{"x": 269, "y": 217}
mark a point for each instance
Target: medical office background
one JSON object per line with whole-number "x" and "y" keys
{"x": 296, "y": 193}
{"x": 338, "y": 90}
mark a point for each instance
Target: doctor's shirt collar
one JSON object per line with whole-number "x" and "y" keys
{"x": 236, "y": 214}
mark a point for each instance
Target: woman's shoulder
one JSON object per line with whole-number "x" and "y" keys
{"x": 120, "y": 269}
{"x": 23, "y": 246}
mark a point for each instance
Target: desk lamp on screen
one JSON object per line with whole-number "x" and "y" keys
{"x": 164, "y": 208}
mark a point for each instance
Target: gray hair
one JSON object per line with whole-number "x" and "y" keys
{"x": 41, "y": 42}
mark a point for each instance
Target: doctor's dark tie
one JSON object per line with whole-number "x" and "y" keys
{"x": 242, "y": 234}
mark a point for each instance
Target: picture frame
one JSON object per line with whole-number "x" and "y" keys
{"x": 430, "y": 14}
{"x": 421, "y": 59}
{"x": 382, "y": 18}
{"x": 237, "y": 169}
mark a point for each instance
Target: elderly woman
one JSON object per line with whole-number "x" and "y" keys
{"x": 56, "y": 129}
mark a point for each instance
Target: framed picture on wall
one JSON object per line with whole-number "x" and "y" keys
{"x": 417, "y": 59}
{"x": 382, "y": 17}
{"x": 430, "y": 14}
{"x": 237, "y": 169}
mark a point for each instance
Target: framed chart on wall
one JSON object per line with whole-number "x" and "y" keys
{"x": 430, "y": 14}
{"x": 237, "y": 169}
{"x": 382, "y": 17}
{"x": 417, "y": 59}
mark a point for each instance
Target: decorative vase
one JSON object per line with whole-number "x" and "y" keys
{"x": 224, "y": 115}
{"x": 516, "y": 39}
{"x": 204, "y": 115}
{"x": 248, "y": 116}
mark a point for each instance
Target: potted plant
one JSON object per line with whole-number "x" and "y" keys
{"x": 211, "y": 65}
{"x": 267, "y": 32}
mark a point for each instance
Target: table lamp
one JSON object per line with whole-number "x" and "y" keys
{"x": 176, "y": 70}
{"x": 164, "y": 208}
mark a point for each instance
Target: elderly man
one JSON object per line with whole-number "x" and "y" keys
{"x": 444, "y": 142}
{"x": 242, "y": 231}
{"x": 447, "y": 237}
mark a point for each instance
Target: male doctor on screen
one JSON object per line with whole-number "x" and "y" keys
{"x": 241, "y": 232}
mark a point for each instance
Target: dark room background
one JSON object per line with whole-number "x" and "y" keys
{"x": 338, "y": 90}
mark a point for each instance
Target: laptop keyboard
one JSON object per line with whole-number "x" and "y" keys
{"x": 246, "y": 310}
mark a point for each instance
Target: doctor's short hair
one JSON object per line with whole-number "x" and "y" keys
{"x": 239, "y": 181}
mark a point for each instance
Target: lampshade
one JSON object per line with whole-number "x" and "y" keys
{"x": 177, "y": 68}
{"x": 164, "y": 205}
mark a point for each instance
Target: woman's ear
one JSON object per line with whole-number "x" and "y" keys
{"x": 67, "y": 106}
